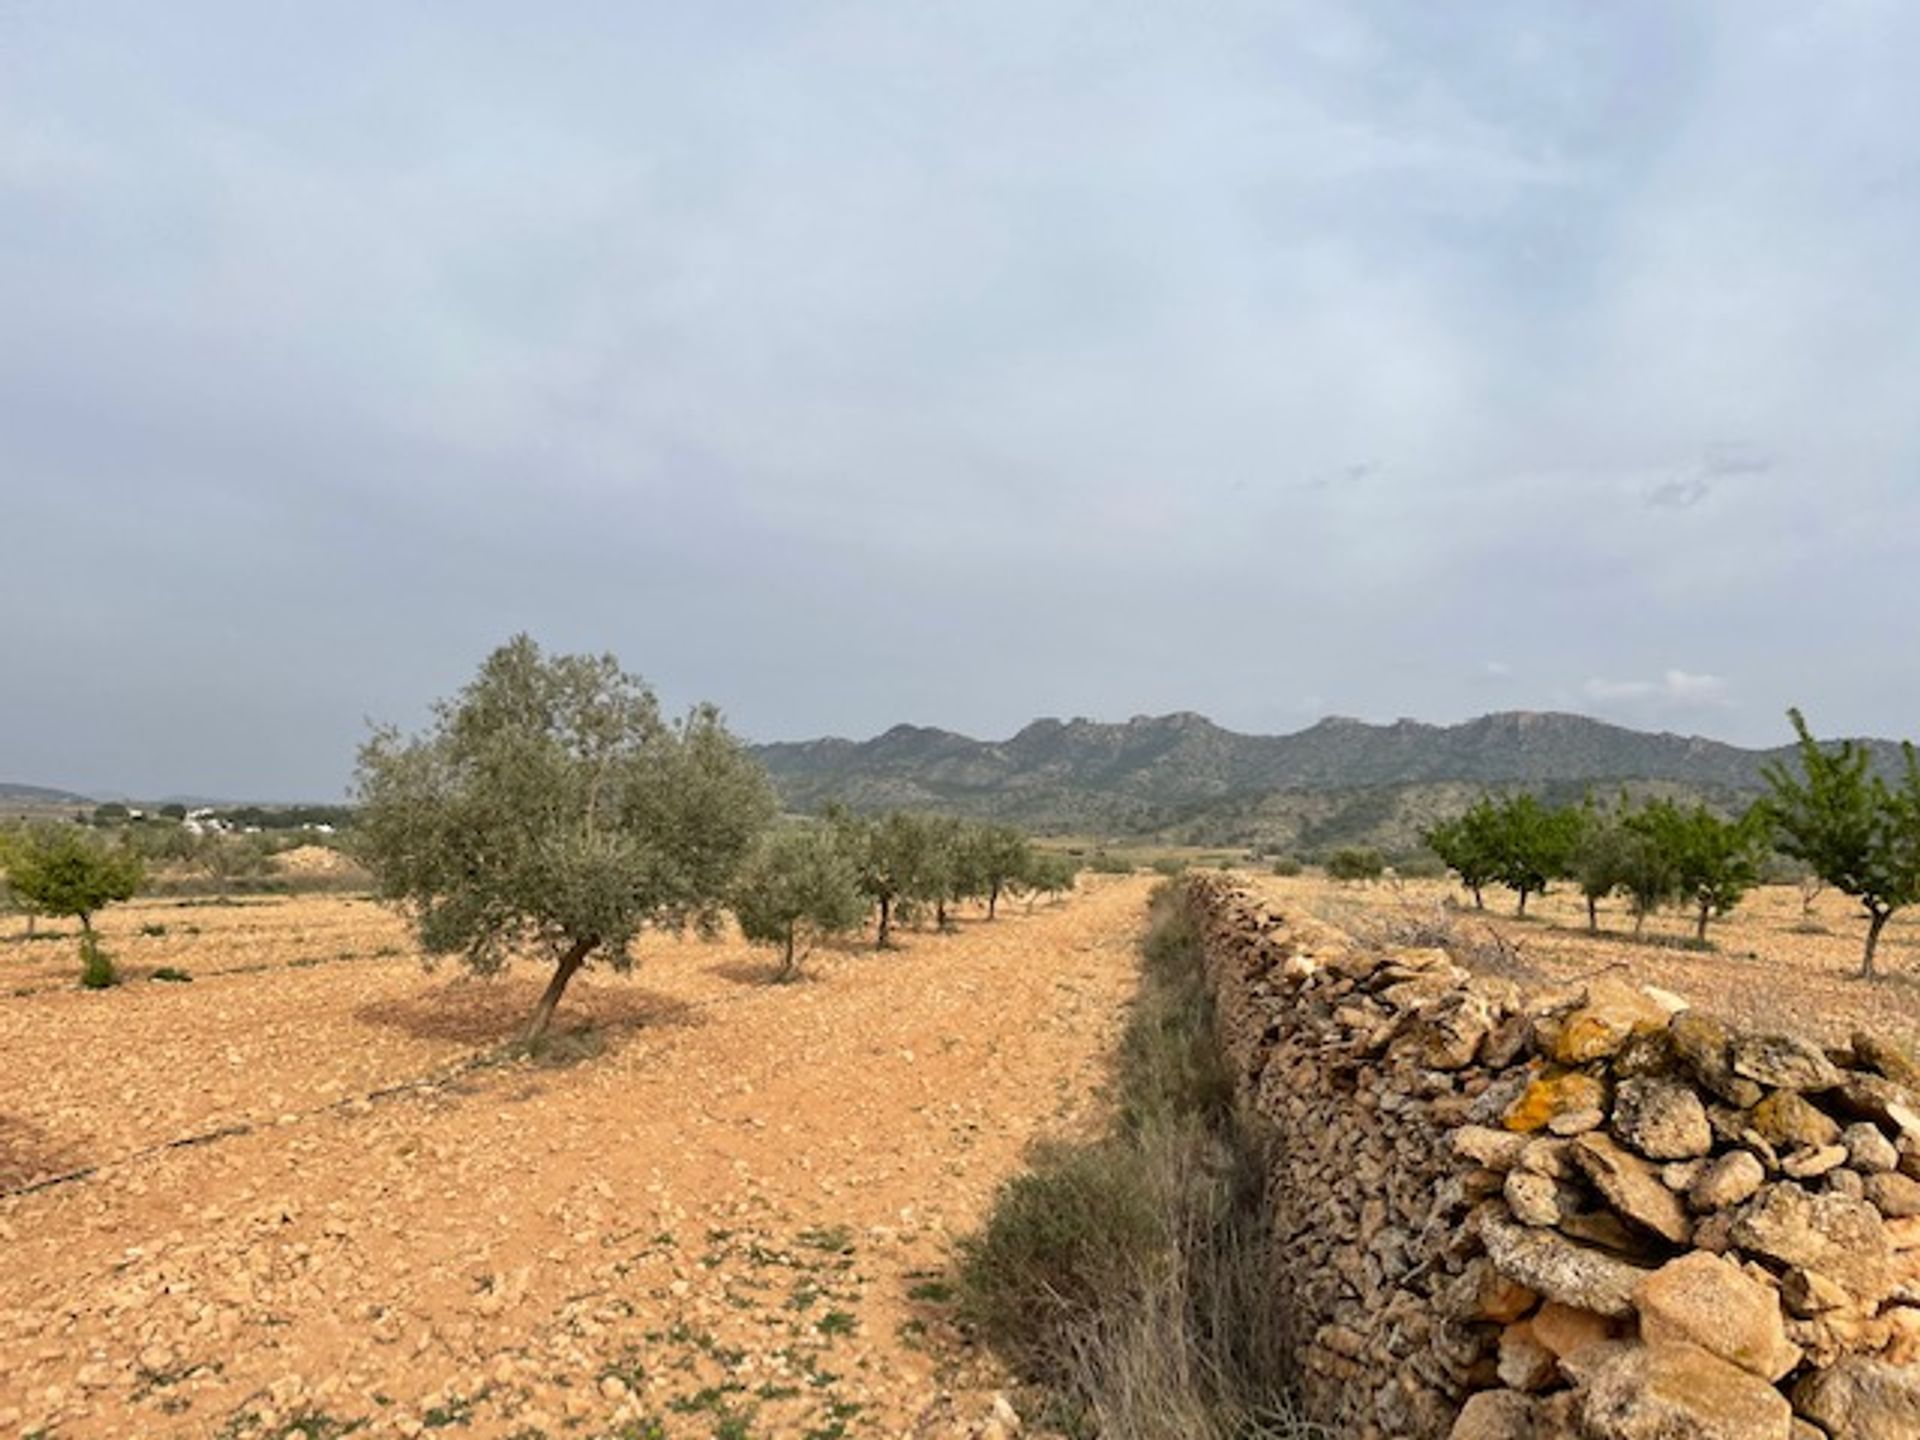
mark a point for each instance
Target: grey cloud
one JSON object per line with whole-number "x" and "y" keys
{"x": 859, "y": 363}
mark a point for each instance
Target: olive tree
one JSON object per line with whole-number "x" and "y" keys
{"x": 63, "y": 870}
{"x": 548, "y": 807}
{"x": 1001, "y": 858}
{"x": 1602, "y": 858}
{"x": 798, "y": 888}
{"x": 1858, "y": 833}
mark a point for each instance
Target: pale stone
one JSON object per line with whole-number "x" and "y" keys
{"x": 1553, "y": 1266}
{"x": 1632, "y": 1188}
{"x": 1862, "y": 1399}
{"x": 1842, "y": 1238}
{"x": 1711, "y": 1302}
{"x": 1661, "y": 1120}
{"x": 1729, "y": 1180}
{"x": 1676, "y": 1392}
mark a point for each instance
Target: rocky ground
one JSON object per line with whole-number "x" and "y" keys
{"x": 304, "y": 1195}
{"x": 1770, "y": 965}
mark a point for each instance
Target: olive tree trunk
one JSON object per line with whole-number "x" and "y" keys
{"x": 570, "y": 962}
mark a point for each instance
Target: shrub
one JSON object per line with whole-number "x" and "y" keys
{"x": 1287, "y": 865}
{"x": 1355, "y": 863}
{"x": 96, "y": 966}
{"x": 1130, "y": 1274}
{"x": 1105, "y": 862}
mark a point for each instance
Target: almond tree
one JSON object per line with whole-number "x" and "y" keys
{"x": 1858, "y": 833}
{"x": 63, "y": 870}
{"x": 548, "y": 808}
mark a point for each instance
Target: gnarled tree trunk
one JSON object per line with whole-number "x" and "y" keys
{"x": 571, "y": 961}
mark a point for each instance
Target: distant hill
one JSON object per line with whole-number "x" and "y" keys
{"x": 1182, "y": 776}
{"x": 19, "y": 799}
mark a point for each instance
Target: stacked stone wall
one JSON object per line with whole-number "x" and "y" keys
{"x": 1601, "y": 1214}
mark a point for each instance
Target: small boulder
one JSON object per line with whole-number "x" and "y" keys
{"x": 1887, "y": 1056}
{"x": 1661, "y": 1120}
{"x": 1533, "y": 1199}
{"x": 1526, "y": 1364}
{"x": 1552, "y": 1094}
{"x": 1494, "y": 1149}
{"x": 1807, "y": 1164}
{"x": 1868, "y": 1151}
{"x": 1566, "y": 1330}
{"x": 1783, "y": 1062}
{"x": 1788, "y": 1120}
{"x": 1611, "y": 1014}
{"x": 1727, "y": 1181}
{"x": 1862, "y": 1399}
{"x": 1894, "y": 1196}
{"x": 1711, "y": 1302}
{"x": 1632, "y": 1188}
{"x": 1701, "y": 1044}
{"x": 1676, "y": 1392}
{"x": 1549, "y": 1264}
{"x": 1842, "y": 1238}
{"x": 1497, "y": 1415}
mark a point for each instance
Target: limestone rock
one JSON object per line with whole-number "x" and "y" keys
{"x": 1783, "y": 1062}
{"x": 1534, "y": 1199}
{"x": 1565, "y": 1330}
{"x": 1841, "y": 1238}
{"x": 1701, "y": 1044}
{"x": 1868, "y": 1151}
{"x": 1577, "y": 1122}
{"x": 1862, "y": 1399}
{"x": 1711, "y": 1302}
{"x": 1553, "y": 1266}
{"x": 1632, "y": 1188}
{"x": 1612, "y": 1012}
{"x": 1727, "y": 1181}
{"x": 1661, "y": 1120}
{"x": 1894, "y": 1196}
{"x": 1496, "y": 1149}
{"x": 1787, "y": 1119}
{"x": 1808, "y": 1164}
{"x": 1887, "y": 1056}
{"x": 1525, "y": 1363}
{"x": 1551, "y": 1094}
{"x": 1483, "y": 1292}
{"x": 1676, "y": 1392}
{"x": 1497, "y": 1415}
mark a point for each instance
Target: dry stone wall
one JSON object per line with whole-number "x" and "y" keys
{"x": 1601, "y": 1214}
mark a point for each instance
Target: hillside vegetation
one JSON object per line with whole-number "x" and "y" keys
{"x": 1181, "y": 777}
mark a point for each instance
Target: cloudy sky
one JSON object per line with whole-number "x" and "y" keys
{"x": 955, "y": 363}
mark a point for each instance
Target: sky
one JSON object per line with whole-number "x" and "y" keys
{"x": 953, "y": 363}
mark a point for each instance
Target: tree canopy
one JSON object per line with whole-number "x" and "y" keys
{"x": 1854, "y": 830}
{"x": 798, "y": 888}
{"x": 549, "y": 808}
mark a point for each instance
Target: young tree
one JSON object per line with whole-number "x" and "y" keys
{"x": 1470, "y": 846}
{"x": 949, "y": 869}
{"x": 1716, "y": 862}
{"x": 549, "y": 807}
{"x": 1001, "y": 858}
{"x": 1859, "y": 834}
{"x": 890, "y": 855}
{"x": 798, "y": 888}
{"x": 1602, "y": 858}
{"x": 1048, "y": 872}
{"x": 1534, "y": 845}
{"x": 63, "y": 870}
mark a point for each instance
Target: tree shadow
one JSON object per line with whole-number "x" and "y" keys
{"x": 473, "y": 1011}
{"x": 29, "y": 1152}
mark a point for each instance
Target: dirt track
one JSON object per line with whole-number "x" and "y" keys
{"x": 732, "y": 1222}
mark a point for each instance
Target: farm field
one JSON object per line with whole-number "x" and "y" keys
{"x": 306, "y": 1193}
{"x": 1764, "y": 969}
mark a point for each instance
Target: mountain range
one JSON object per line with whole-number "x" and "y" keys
{"x": 1182, "y": 777}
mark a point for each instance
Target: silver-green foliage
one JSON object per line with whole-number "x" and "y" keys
{"x": 1857, "y": 832}
{"x": 69, "y": 871}
{"x": 799, "y": 888}
{"x": 549, "y": 807}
